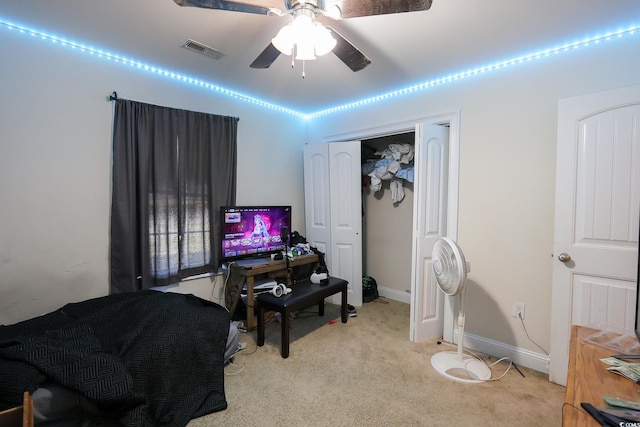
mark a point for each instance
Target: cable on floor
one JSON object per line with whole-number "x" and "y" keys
{"x": 506, "y": 370}
{"x": 224, "y": 288}
{"x": 474, "y": 355}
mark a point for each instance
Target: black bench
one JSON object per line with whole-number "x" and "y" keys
{"x": 303, "y": 294}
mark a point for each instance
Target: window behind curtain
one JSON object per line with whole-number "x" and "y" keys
{"x": 172, "y": 170}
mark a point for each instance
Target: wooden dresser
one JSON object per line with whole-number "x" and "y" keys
{"x": 589, "y": 381}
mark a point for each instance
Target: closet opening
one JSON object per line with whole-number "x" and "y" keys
{"x": 395, "y": 250}
{"x": 387, "y": 213}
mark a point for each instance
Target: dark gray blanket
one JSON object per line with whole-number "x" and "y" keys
{"x": 147, "y": 358}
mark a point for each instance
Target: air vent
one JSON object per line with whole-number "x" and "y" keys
{"x": 202, "y": 49}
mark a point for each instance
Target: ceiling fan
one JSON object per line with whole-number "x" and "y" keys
{"x": 305, "y": 12}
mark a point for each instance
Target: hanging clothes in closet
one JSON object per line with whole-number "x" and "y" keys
{"x": 395, "y": 164}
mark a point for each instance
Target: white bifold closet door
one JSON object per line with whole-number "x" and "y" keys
{"x": 333, "y": 213}
{"x": 333, "y": 209}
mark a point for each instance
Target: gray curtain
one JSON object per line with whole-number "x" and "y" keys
{"x": 172, "y": 171}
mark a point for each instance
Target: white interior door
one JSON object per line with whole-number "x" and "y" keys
{"x": 345, "y": 185}
{"x": 430, "y": 223}
{"x": 333, "y": 209}
{"x": 316, "y": 197}
{"x": 596, "y": 219}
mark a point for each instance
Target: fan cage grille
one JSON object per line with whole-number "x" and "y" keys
{"x": 449, "y": 266}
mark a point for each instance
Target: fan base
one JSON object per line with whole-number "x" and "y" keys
{"x": 469, "y": 370}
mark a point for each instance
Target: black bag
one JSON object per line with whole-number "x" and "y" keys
{"x": 296, "y": 238}
{"x": 369, "y": 289}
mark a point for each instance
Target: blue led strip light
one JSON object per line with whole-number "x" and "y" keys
{"x": 479, "y": 70}
{"x": 371, "y": 100}
{"x": 145, "y": 67}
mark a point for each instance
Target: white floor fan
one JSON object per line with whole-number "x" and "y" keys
{"x": 450, "y": 270}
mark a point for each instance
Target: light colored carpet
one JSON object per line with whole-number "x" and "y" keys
{"x": 367, "y": 373}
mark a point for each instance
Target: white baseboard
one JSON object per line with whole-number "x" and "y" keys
{"x": 395, "y": 294}
{"x": 521, "y": 357}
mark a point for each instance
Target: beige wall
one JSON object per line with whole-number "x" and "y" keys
{"x": 387, "y": 231}
{"x": 387, "y": 241}
{"x": 55, "y": 167}
{"x": 507, "y": 173}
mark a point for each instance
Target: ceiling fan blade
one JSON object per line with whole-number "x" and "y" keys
{"x": 266, "y": 58}
{"x": 348, "y": 53}
{"x": 233, "y": 6}
{"x": 355, "y": 8}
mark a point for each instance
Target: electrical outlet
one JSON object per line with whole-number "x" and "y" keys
{"x": 518, "y": 310}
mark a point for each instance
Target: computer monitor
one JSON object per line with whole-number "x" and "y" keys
{"x": 253, "y": 231}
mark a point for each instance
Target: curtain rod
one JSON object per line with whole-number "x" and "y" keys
{"x": 114, "y": 97}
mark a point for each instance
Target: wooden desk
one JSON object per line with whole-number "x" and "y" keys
{"x": 273, "y": 269}
{"x": 588, "y": 379}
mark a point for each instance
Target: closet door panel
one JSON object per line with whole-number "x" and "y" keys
{"x": 317, "y": 203}
{"x": 346, "y": 215}
{"x": 430, "y": 223}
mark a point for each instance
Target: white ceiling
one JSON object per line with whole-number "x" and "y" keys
{"x": 405, "y": 49}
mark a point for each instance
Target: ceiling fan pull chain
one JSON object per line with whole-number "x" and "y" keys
{"x": 303, "y": 62}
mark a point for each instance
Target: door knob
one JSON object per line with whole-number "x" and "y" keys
{"x": 564, "y": 257}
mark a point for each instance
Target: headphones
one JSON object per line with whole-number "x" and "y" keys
{"x": 280, "y": 290}
{"x": 320, "y": 275}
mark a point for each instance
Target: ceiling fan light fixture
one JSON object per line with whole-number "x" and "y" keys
{"x": 285, "y": 39}
{"x": 310, "y": 38}
{"x": 305, "y": 51}
{"x": 324, "y": 41}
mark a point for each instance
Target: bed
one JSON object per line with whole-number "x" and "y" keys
{"x": 136, "y": 359}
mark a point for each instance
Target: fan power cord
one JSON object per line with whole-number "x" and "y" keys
{"x": 504, "y": 358}
{"x": 472, "y": 354}
{"x": 506, "y": 370}
{"x": 527, "y": 334}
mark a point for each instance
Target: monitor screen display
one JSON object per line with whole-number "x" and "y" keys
{"x": 253, "y": 231}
